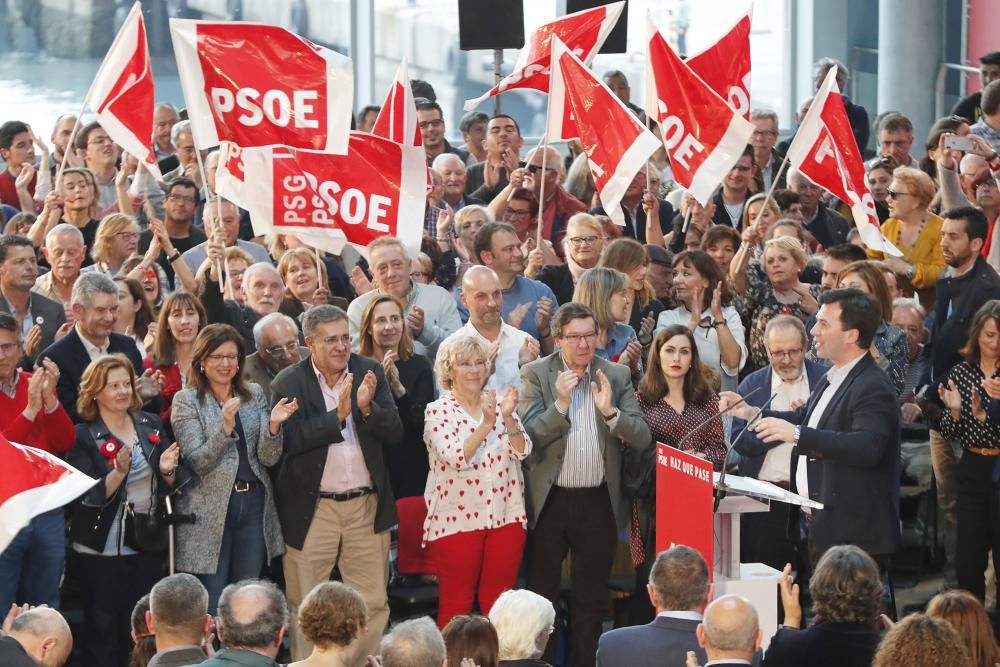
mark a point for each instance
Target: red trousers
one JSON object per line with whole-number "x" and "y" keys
{"x": 475, "y": 565}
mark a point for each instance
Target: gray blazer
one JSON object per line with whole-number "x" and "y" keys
{"x": 255, "y": 370}
{"x": 214, "y": 461}
{"x": 548, "y": 429}
{"x": 49, "y": 315}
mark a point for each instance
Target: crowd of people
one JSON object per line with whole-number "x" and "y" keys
{"x": 265, "y": 417}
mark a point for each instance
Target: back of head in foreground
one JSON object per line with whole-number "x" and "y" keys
{"x": 921, "y": 640}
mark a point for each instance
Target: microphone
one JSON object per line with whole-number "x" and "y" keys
{"x": 708, "y": 420}
{"x": 720, "y": 490}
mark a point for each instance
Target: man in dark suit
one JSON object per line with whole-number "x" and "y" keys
{"x": 95, "y": 305}
{"x": 730, "y": 633}
{"x": 846, "y": 436}
{"x": 634, "y": 209}
{"x": 579, "y": 410}
{"x": 277, "y": 339}
{"x": 679, "y": 586}
{"x": 39, "y": 317}
{"x": 179, "y": 620}
{"x": 39, "y": 637}
{"x": 789, "y": 378}
{"x": 333, "y": 495}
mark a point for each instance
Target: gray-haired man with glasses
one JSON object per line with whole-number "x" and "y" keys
{"x": 277, "y": 338}
{"x": 789, "y": 378}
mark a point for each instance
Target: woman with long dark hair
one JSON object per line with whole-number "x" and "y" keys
{"x": 181, "y": 317}
{"x": 965, "y": 419}
{"x": 229, "y": 436}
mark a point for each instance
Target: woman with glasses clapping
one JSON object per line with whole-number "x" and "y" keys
{"x": 228, "y": 436}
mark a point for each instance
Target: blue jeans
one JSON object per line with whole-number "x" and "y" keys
{"x": 31, "y": 566}
{"x": 243, "y": 548}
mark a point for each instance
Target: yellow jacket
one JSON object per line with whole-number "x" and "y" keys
{"x": 925, "y": 256}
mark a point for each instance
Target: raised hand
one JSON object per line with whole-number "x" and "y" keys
{"x": 632, "y": 354}
{"x": 601, "y": 391}
{"x": 978, "y": 411}
{"x": 489, "y": 409}
{"x": 415, "y": 321}
{"x": 790, "y": 598}
{"x": 344, "y": 399}
{"x": 229, "y": 411}
{"x": 33, "y": 341}
{"x": 528, "y": 352}
{"x": 366, "y": 392}
{"x": 508, "y": 402}
{"x": 651, "y": 205}
{"x": 536, "y": 260}
{"x": 123, "y": 459}
{"x": 445, "y": 222}
{"x": 646, "y": 327}
{"x": 565, "y": 383}
{"x": 281, "y": 411}
{"x": 360, "y": 282}
{"x": 169, "y": 459}
{"x": 24, "y": 178}
{"x": 390, "y": 369}
{"x": 321, "y": 295}
{"x": 716, "y": 306}
{"x": 950, "y": 397}
{"x": 516, "y": 316}
{"x": 728, "y": 399}
{"x": 543, "y": 315}
{"x": 807, "y": 302}
{"x": 150, "y": 384}
{"x": 36, "y": 387}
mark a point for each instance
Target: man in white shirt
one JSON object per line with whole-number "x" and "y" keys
{"x": 509, "y": 348}
{"x": 788, "y": 378}
{"x": 846, "y": 436}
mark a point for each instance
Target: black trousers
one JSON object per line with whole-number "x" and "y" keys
{"x": 978, "y": 521}
{"x": 579, "y": 522}
{"x": 111, "y": 587}
{"x": 764, "y": 538}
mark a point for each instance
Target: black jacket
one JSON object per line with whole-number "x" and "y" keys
{"x": 49, "y": 315}
{"x": 312, "y": 428}
{"x": 721, "y": 216}
{"x": 823, "y": 645}
{"x": 559, "y": 279}
{"x": 227, "y": 311}
{"x": 636, "y": 229}
{"x": 69, "y": 354}
{"x": 853, "y": 461}
{"x": 93, "y": 512}
{"x": 958, "y": 300}
{"x": 828, "y": 227}
{"x": 409, "y": 466}
{"x": 12, "y": 654}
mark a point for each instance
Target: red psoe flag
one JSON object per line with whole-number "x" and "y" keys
{"x": 702, "y": 135}
{"x": 32, "y": 483}
{"x": 584, "y": 32}
{"x": 725, "y": 65}
{"x": 616, "y": 143}
{"x": 825, "y": 152}
{"x": 397, "y": 119}
{"x": 122, "y": 92}
{"x": 377, "y": 189}
{"x": 260, "y": 85}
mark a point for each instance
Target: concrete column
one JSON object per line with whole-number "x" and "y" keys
{"x": 910, "y": 43}
{"x": 363, "y": 52}
{"x": 820, "y": 29}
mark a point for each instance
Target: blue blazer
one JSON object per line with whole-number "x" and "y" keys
{"x": 752, "y": 451}
{"x": 665, "y": 641}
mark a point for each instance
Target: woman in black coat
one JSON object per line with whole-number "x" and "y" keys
{"x": 119, "y": 554}
{"x": 385, "y": 338}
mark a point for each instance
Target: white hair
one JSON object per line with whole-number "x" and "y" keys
{"x": 913, "y": 303}
{"x": 267, "y": 320}
{"x": 519, "y": 617}
{"x": 446, "y": 157}
{"x": 64, "y": 228}
{"x": 266, "y": 267}
{"x": 179, "y": 128}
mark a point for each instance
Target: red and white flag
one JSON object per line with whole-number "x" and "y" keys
{"x": 397, "y": 119}
{"x": 725, "y": 65}
{"x": 616, "y": 143}
{"x": 261, "y": 85}
{"x": 584, "y": 32}
{"x": 824, "y": 151}
{"x": 122, "y": 92}
{"x": 703, "y": 136}
{"x": 32, "y": 483}
{"x": 377, "y": 189}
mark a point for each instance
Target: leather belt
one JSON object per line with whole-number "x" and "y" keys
{"x": 992, "y": 451}
{"x": 244, "y": 486}
{"x": 349, "y": 495}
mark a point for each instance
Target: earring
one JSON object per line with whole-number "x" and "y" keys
{"x": 202, "y": 369}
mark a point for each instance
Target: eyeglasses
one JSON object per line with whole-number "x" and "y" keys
{"x": 289, "y": 348}
{"x": 516, "y": 213}
{"x": 785, "y": 354}
{"x": 344, "y": 340}
{"x": 576, "y": 339}
{"x": 419, "y": 275}
{"x": 437, "y": 122}
{"x": 535, "y": 168}
{"x": 765, "y": 133}
{"x": 182, "y": 198}
{"x": 128, "y": 236}
{"x": 896, "y": 195}
{"x": 223, "y": 358}
{"x": 584, "y": 240}
{"x": 7, "y": 348}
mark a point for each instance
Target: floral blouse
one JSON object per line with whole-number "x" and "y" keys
{"x": 669, "y": 427}
{"x": 969, "y": 431}
{"x": 758, "y": 305}
{"x": 481, "y": 493}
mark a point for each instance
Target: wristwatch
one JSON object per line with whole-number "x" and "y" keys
{"x": 798, "y": 433}
{"x": 613, "y": 415}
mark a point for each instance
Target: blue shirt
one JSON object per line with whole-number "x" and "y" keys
{"x": 618, "y": 339}
{"x": 524, "y": 290}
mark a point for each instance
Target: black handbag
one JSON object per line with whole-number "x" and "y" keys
{"x": 146, "y": 532}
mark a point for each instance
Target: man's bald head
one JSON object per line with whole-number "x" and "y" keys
{"x": 253, "y": 615}
{"x": 482, "y": 296}
{"x": 730, "y": 628}
{"x": 44, "y": 635}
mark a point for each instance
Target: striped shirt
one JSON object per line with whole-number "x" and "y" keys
{"x": 583, "y": 463}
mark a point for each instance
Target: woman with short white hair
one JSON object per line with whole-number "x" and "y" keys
{"x": 523, "y": 621}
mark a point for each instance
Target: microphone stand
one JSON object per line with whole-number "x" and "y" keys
{"x": 705, "y": 422}
{"x": 721, "y": 488}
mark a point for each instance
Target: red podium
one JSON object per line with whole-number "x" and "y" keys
{"x": 684, "y": 502}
